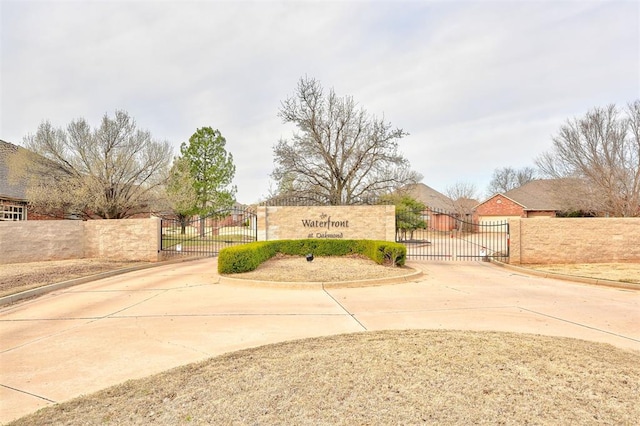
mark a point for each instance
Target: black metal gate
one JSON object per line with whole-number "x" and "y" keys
{"x": 207, "y": 235}
{"x": 440, "y": 235}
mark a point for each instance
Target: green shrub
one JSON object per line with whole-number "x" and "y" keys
{"x": 384, "y": 252}
{"x": 247, "y": 257}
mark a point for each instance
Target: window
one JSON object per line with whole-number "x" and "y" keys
{"x": 12, "y": 212}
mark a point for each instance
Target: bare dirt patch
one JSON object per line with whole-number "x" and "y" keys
{"x": 326, "y": 269}
{"x": 623, "y": 272}
{"x": 17, "y": 277}
{"x": 392, "y": 377}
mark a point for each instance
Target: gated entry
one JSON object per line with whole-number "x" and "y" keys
{"x": 206, "y": 236}
{"x": 441, "y": 235}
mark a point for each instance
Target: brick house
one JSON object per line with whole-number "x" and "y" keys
{"x": 14, "y": 204}
{"x": 536, "y": 199}
{"x": 13, "y": 199}
{"x": 440, "y": 213}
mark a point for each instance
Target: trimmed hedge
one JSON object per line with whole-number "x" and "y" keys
{"x": 247, "y": 257}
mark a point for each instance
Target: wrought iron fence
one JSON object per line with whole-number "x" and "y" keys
{"x": 207, "y": 235}
{"x": 441, "y": 235}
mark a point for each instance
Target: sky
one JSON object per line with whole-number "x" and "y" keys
{"x": 478, "y": 85}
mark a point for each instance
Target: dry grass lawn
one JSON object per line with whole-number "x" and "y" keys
{"x": 624, "y": 272}
{"x": 17, "y": 277}
{"x": 373, "y": 378}
{"x": 380, "y": 378}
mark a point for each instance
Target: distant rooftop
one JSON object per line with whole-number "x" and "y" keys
{"x": 429, "y": 196}
{"x": 11, "y": 190}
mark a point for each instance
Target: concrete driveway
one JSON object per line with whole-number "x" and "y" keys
{"x": 85, "y": 338}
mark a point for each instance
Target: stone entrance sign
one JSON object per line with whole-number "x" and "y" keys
{"x": 322, "y": 222}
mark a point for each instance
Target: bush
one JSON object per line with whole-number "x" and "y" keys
{"x": 247, "y": 257}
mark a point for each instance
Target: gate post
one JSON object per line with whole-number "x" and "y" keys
{"x": 159, "y": 234}
{"x": 390, "y": 222}
{"x": 261, "y": 223}
{"x": 514, "y": 241}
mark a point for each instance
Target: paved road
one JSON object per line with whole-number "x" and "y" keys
{"x": 91, "y": 336}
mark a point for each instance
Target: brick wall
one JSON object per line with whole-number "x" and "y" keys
{"x": 500, "y": 205}
{"x": 127, "y": 239}
{"x": 344, "y": 222}
{"x": 558, "y": 240}
{"x": 542, "y": 214}
{"x": 574, "y": 240}
{"x": 33, "y": 241}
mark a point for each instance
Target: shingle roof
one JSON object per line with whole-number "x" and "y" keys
{"x": 10, "y": 189}
{"x": 539, "y": 194}
{"x": 467, "y": 204}
{"x": 429, "y": 196}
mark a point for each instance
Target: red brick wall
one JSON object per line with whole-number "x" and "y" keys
{"x": 500, "y": 206}
{"x": 441, "y": 222}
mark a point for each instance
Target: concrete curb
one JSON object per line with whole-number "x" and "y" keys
{"x": 583, "y": 280}
{"x": 39, "y": 291}
{"x": 321, "y": 285}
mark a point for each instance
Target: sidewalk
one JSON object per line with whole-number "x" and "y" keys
{"x": 88, "y": 337}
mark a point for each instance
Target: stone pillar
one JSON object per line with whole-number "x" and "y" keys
{"x": 261, "y": 223}
{"x": 515, "y": 241}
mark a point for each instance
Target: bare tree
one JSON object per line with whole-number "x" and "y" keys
{"x": 463, "y": 196}
{"x": 577, "y": 197}
{"x": 508, "y": 178}
{"x": 603, "y": 150}
{"x": 341, "y": 153}
{"x": 113, "y": 171}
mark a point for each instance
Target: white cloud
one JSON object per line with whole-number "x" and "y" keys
{"x": 477, "y": 84}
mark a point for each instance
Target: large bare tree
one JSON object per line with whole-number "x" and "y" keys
{"x": 113, "y": 171}
{"x": 508, "y": 178}
{"x": 603, "y": 150}
{"x": 340, "y": 154}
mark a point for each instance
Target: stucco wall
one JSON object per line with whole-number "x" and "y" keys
{"x": 574, "y": 240}
{"x": 33, "y": 241}
{"x": 344, "y": 222}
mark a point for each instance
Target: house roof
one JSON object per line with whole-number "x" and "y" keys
{"x": 9, "y": 188}
{"x": 539, "y": 195}
{"x": 429, "y": 196}
{"x": 466, "y": 204}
